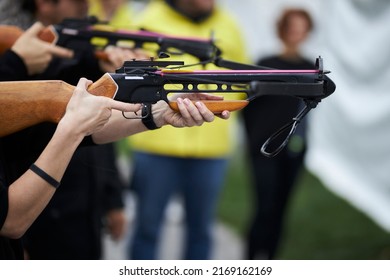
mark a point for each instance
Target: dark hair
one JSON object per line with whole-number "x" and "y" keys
{"x": 31, "y": 6}
{"x": 284, "y": 18}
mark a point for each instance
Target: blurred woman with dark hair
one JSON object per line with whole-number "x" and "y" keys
{"x": 275, "y": 177}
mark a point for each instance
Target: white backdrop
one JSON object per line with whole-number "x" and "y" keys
{"x": 349, "y": 135}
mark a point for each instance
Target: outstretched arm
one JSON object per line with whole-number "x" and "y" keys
{"x": 86, "y": 114}
{"x": 29, "y": 195}
{"x": 189, "y": 114}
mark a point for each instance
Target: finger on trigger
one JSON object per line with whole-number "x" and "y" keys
{"x": 124, "y": 107}
{"x": 60, "y": 51}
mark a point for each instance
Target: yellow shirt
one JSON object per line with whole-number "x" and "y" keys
{"x": 122, "y": 18}
{"x": 210, "y": 140}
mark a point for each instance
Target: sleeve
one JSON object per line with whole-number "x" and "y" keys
{"x": 113, "y": 185}
{"x": 12, "y": 67}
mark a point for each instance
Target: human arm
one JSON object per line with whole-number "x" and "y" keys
{"x": 12, "y": 67}
{"x": 29, "y": 194}
{"x": 189, "y": 114}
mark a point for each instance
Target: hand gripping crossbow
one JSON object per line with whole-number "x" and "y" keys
{"x": 136, "y": 80}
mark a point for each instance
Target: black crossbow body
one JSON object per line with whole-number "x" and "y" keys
{"x": 138, "y": 79}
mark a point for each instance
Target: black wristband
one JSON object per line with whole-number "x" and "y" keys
{"x": 44, "y": 176}
{"x": 147, "y": 117}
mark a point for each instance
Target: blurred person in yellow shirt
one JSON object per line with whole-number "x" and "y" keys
{"x": 118, "y": 13}
{"x": 191, "y": 161}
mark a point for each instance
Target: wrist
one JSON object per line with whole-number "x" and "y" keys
{"x": 159, "y": 111}
{"x": 68, "y": 131}
{"x": 147, "y": 117}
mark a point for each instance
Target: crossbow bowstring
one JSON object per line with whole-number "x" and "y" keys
{"x": 309, "y": 104}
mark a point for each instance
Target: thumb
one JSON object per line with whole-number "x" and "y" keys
{"x": 83, "y": 83}
{"x": 35, "y": 28}
{"x": 35, "y": 31}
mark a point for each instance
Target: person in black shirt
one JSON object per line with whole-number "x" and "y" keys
{"x": 88, "y": 119}
{"x": 29, "y": 56}
{"x": 92, "y": 179}
{"x": 274, "y": 177}
{"x": 22, "y": 199}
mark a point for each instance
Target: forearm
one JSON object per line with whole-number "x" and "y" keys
{"x": 30, "y": 194}
{"x": 189, "y": 115}
{"x": 85, "y": 115}
{"x": 118, "y": 127}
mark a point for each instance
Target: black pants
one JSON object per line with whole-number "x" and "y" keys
{"x": 274, "y": 179}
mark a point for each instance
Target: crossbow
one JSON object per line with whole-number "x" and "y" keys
{"x": 311, "y": 86}
{"x": 80, "y": 34}
{"x": 148, "y": 82}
